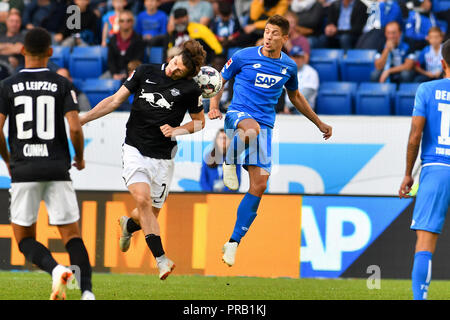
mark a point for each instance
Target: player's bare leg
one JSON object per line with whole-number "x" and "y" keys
{"x": 247, "y": 131}
{"x": 129, "y": 225}
{"x": 150, "y": 226}
{"x": 246, "y": 212}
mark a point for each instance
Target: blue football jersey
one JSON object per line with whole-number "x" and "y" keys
{"x": 259, "y": 82}
{"x": 433, "y": 102}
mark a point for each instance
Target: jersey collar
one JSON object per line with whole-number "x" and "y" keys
{"x": 261, "y": 55}
{"x": 35, "y": 70}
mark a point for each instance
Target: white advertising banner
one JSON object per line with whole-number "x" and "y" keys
{"x": 365, "y": 155}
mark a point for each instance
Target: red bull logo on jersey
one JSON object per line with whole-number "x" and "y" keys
{"x": 266, "y": 80}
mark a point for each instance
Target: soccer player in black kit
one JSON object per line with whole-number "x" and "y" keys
{"x": 36, "y": 101}
{"x": 162, "y": 96}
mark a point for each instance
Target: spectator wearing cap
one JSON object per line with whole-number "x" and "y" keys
{"x": 308, "y": 80}
{"x": 199, "y": 11}
{"x": 420, "y": 20}
{"x": 395, "y": 62}
{"x": 345, "y": 22}
{"x": 185, "y": 30}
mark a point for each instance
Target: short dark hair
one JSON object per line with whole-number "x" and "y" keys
{"x": 446, "y": 52}
{"x": 180, "y": 13}
{"x": 37, "y": 41}
{"x": 280, "y": 21}
{"x": 394, "y": 22}
{"x": 225, "y": 8}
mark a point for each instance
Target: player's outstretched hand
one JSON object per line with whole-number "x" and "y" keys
{"x": 326, "y": 130}
{"x": 79, "y": 164}
{"x": 214, "y": 114}
{"x": 405, "y": 187}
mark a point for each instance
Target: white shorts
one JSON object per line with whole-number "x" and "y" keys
{"x": 157, "y": 173}
{"x": 59, "y": 197}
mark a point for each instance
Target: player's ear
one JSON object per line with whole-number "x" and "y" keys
{"x": 444, "y": 66}
{"x": 22, "y": 51}
{"x": 49, "y": 52}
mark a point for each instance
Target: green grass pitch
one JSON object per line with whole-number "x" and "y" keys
{"x": 36, "y": 286}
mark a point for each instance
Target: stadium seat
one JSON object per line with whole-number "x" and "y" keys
{"x": 78, "y": 83}
{"x": 357, "y": 65}
{"x": 404, "y": 98}
{"x": 336, "y": 98}
{"x": 441, "y": 5}
{"x": 104, "y": 51}
{"x": 155, "y": 55}
{"x": 86, "y": 62}
{"x": 98, "y": 89}
{"x": 61, "y": 56}
{"x": 374, "y": 98}
{"x": 326, "y": 62}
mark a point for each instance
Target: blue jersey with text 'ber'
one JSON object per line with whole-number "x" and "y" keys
{"x": 433, "y": 102}
{"x": 259, "y": 82}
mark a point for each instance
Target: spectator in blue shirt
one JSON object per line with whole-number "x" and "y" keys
{"x": 212, "y": 174}
{"x": 419, "y": 21}
{"x": 226, "y": 26}
{"x": 381, "y": 12}
{"x": 430, "y": 66}
{"x": 151, "y": 22}
{"x": 395, "y": 62}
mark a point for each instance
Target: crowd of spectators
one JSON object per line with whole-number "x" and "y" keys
{"x": 406, "y": 33}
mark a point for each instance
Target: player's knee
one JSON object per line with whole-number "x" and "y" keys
{"x": 143, "y": 201}
{"x": 258, "y": 187}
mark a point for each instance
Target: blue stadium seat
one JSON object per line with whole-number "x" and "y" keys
{"x": 326, "y": 62}
{"x": 357, "y": 65}
{"x": 86, "y": 62}
{"x": 336, "y": 98}
{"x": 155, "y": 55}
{"x": 104, "y": 51}
{"x": 78, "y": 83}
{"x": 98, "y": 89}
{"x": 441, "y": 5}
{"x": 374, "y": 98}
{"x": 61, "y": 56}
{"x": 404, "y": 98}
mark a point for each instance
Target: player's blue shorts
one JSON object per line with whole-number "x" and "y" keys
{"x": 433, "y": 199}
{"x": 257, "y": 153}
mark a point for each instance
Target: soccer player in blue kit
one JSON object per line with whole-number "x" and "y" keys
{"x": 260, "y": 74}
{"x": 431, "y": 124}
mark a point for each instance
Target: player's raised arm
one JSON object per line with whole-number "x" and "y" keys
{"x": 77, "y": 138}
{"x": 302, "y": 105}
{"x": 214, "y": 102}
{"x": 106, "y": 106}
{"x": 197, "y": 124}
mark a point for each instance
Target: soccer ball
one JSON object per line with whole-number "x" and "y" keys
{"x": 209, "y": 80}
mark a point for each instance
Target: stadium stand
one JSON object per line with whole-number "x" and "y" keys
{"x": 326, "y": 62}
{"x": 336, "y": 98}
{"x": 86, "y": 62}
{"x": 404, "y": 98}
{"x": 155, "y": 55}
{"x": 357, "y": 65}
{"x": 374, "y": 98}
{"x": 98, "y": 89}
{"x": 61, "y": 56}
{"x": 441, "y": 5}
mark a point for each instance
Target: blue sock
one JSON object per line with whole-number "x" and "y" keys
{"x": 246, "y": 213}
{"x": 421, "y": 274}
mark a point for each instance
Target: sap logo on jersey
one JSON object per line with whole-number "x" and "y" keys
{"x": 266, "y": 80}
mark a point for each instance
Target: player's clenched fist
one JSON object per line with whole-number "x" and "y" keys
{"x": 167, "y": 130}
{"x": 214, "y": 114}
